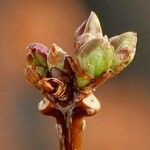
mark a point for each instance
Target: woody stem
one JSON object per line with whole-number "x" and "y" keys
{"x": 70, "y": 132}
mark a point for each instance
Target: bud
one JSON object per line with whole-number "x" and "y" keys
{"x": 89, "y": 29}
{"x": 56, "y": 57}
{"x": 37, "y": 54}
{"x": 95, "y": 57}
{"x": 125, "y": 47}
{"x": 93, "y": 51}
{"x": 36, "y": 65}
{"x": 93, "y": 25}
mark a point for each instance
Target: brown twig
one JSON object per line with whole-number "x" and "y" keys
{"x": 70, "y": 122}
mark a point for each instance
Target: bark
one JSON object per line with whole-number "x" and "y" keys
{"x": 69, "y": 130}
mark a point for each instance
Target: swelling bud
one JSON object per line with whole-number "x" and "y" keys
{"x": 95, "y": 57}
{"x": 36, "y": 64}
{"x": 93, "y": 51}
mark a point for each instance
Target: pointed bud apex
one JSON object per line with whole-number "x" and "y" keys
{"x": 93, "y": 25}
{"x": 125, "y": 47}
{"x": 95, "y": 57}
{"x": 89, "y": 29}
{"x": 56, "y": 57}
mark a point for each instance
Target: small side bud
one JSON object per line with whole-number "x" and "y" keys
{"x": 56, "y": 57}
{"x": 36, "y": 64}
{"x": 125, "y": 47}
{"x": 37, "y": 54}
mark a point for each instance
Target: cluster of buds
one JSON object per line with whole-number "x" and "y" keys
{"x": 98, "y": 55}
{"x": 67, "y": 82}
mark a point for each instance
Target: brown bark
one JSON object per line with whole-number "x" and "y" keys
{"x": 70, "y": 132}
{"x": 69, "y": 118}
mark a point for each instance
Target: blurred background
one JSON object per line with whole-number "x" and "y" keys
{"x": 124, "y": 120}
